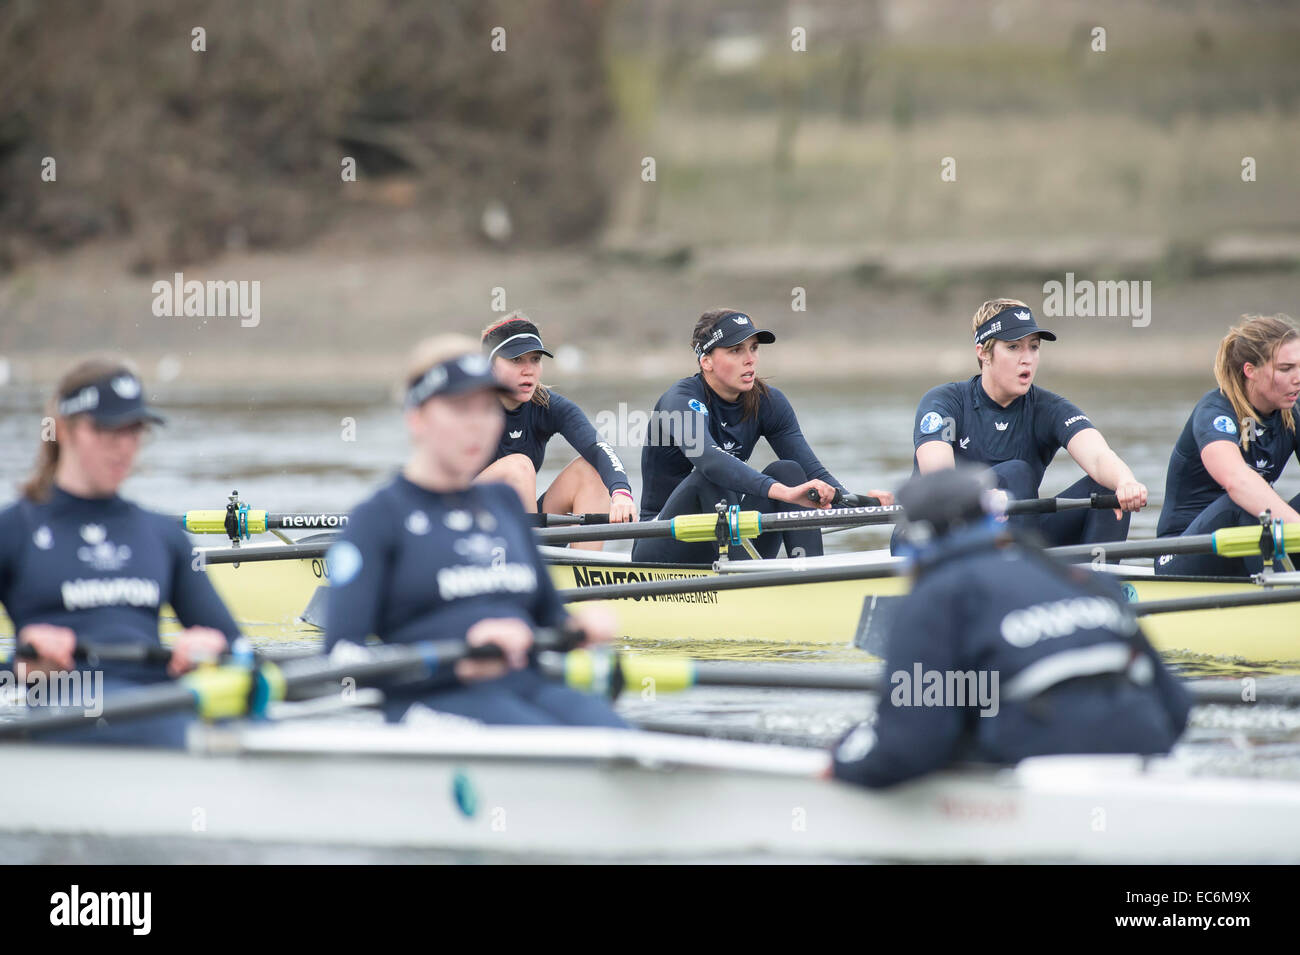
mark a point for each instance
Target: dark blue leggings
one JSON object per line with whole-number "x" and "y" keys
{"x": 1080, "y": 526}
{"x": 1221, "y": 513}
{"x": 697, "y": 495}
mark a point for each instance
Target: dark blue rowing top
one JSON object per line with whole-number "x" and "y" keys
{"x": 103, "y": 567}
{"x": 1189, "y": 489}
{"x": 694, "y": 428}
{"x": 1047, "y": 632}
{"x": 1031, "y": 429}
{"x": 419, "y": 565}
{"x": 531, "y": 426}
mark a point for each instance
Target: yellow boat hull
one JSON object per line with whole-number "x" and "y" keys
{"x": 269, "y": 599}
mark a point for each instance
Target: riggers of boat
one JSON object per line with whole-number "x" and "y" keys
{"x": 594, "y": 793}
{"x": 280, "y": 598}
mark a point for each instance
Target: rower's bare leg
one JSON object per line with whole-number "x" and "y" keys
{"x": 578, "y": 490}
{"x": 517, "y": 471}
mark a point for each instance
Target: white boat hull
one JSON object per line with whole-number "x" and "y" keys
{"x": 591, "y": 794}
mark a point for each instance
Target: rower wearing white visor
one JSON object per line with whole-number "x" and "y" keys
{"x": 1001, "y": 419}
{"x": 593, "y": 482}
{"x": 703, "y": 431}
{"x": 432, "y": 555}
{"x": 82, "y": 569}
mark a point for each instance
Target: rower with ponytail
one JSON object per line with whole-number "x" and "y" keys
{"x": 1236, "y": 444}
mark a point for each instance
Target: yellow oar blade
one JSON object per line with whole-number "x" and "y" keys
{"x": 1244, "y": 541}
{"x": 214, "y": 522}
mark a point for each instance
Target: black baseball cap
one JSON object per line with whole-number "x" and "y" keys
{"x": 512, "y": 338}
{"x": 1011, "y": 324}
{"x": 943, "y": 501}
{"x": 114, "y": 401}
{"x": 453, "y": 377}
{"x": 732, "y": 328}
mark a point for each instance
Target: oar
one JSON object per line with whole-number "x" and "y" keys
{"x": 600, "y": 671}
{"x": 232, "y": 690}
{"x": 244, "y": 523}
{"x": 696, "y": 528}
{"x": 240, "y": 555}
{"x": 1227, "y": 542}
{"x": 1277, "y": 595}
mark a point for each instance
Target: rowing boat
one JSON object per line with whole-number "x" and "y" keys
{"x": 274, "y": 597}
{"x": 281, "y": 600}
{"x": 594, "y": 793}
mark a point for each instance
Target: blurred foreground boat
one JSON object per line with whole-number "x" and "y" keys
{"x": 589, "y": 793}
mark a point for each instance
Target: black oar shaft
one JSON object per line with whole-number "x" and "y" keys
{"x": 1112, "y": 551}
{"x": 1218, "y": 601}
{"x": 241, "y": 555}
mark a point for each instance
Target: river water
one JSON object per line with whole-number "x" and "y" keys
{"x": 305, "y": 450}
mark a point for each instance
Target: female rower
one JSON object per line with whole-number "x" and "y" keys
{"x": 434, "y": 554}
{"x": 1235, "y": 444}
{"x": 595, "y": 482}
{"x": 1000, "y": 418}
{"x": 706, "y": 426}
{"x": 81, "y": 565}
{"x": 1048, "y": 658}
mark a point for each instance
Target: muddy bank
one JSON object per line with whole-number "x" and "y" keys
{"x": 347, "y": 312}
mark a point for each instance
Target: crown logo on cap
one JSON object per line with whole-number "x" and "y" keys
{"x": 126, "y": 386}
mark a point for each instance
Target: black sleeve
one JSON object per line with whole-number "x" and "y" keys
{"x": 358, "y": 567}
{"x": 1063, "y": 420}
{"x": 938, "y": 416}
{"x": 572, "y": 423}
{"x": 909, "y": 740}
{"x": 787, "y": 440}
{"x": 192, "y": 596}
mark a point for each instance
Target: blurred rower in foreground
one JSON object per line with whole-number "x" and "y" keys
{"x": 594, "y": 482}
{"x": 434, "y": 555}
{"x": 1000, "y": 652}
{"x": 79, "y": 564}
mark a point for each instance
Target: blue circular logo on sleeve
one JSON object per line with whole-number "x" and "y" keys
{"x": 343, "y": 561}
{"x": 931, "y": 423}
{"x": 695, "y": 404}
{"x": 1225, "y": 424}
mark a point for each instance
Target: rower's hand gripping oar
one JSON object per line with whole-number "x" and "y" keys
{"x": 246, "y": 687}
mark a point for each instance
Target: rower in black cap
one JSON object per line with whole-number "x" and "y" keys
{"x": 593, "y": 482}
{"x": 1000, "y": 418}
{"x": 82, "y": 567}
{"x": 1000, "y": 652}
{"x": 703, "y": 430}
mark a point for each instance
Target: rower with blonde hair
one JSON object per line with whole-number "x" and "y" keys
{"x": 1235, "y": 444}
{"x": 83, "y": 568}
{"x": 1001, "y": 419}
{"x": 434, "y": 555}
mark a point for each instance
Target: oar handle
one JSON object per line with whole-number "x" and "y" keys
{"x": 568, "y": 520}
{"x": 1050, "y": 505}
{"x": 229, "y": 691}
{"x": 95, "y": 653}
{"x": 845, "y": 499}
